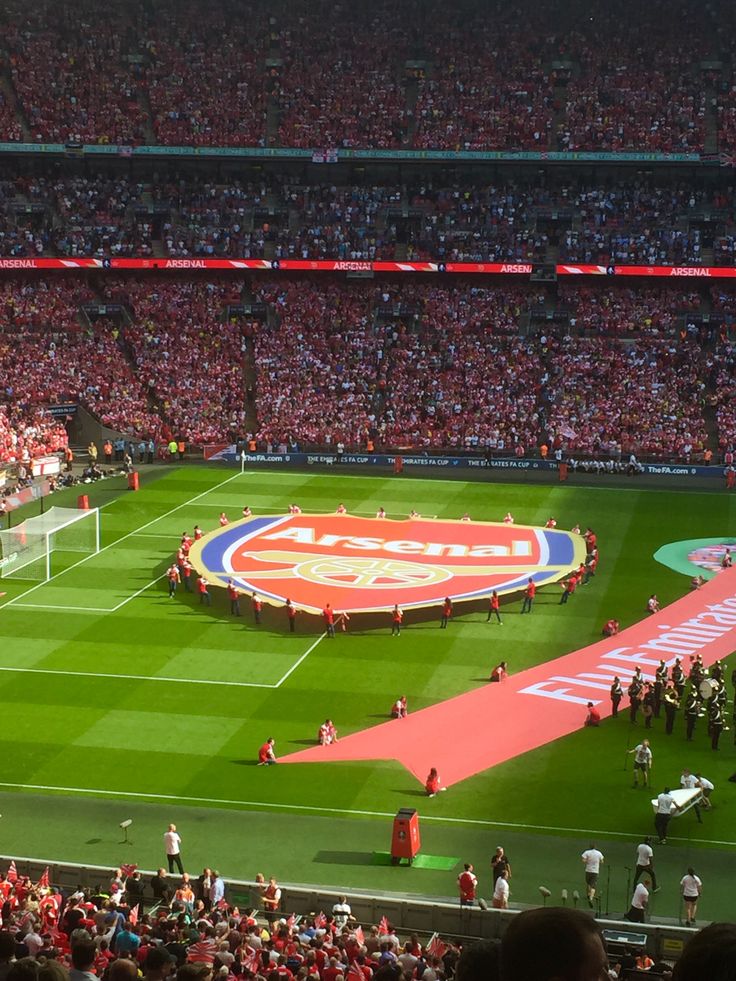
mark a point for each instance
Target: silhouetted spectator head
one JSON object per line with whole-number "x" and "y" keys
{"x": 553, "y": 945}
{"x": 83, "y": 955}
{"x": 479, "y": 962}
{"x": 710, "y": 954}
{"x": 25, "y": 969}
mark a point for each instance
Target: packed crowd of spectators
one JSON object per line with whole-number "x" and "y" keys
{"x": 194, "y": 933}
{"x": 398, "y": 364}
{"x": 186, "y": 354}
{"x": 625, "y": 311}
{"x": 498, "y": 78}
{"x": 69, "y": 70}
{"x": 645, "y": 397}
{"x": 48, "y": 357}
{"x": 341, "y": 82}
{"x": 205, "y": 72}
{"x": 277, "y": 216}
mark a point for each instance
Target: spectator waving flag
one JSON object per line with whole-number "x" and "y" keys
{"x": 43, "y": 882}
{"x": 355, "y": 973}
{"x": 291, "y": 922}
{"x": 12, "y": 875}
{"x": 133, "y": 915}
{"x": 320, "y": 921}
{"x": 383, "y": 927}
{"x": 127, "y": 870}
{"x": 359, "y": 935}
{"x": 252, "y": 962}
{"x": 436, "y": 947}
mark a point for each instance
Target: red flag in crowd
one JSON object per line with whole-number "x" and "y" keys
{"x": 355, "y": 973}
{"x": 320, "y": 921}
{"x": 436, "y": 947}
{"x": 133, "y": 915}
{"x": 291, "y": 922}
{"x": 383, "y": 927}
{"x": 253, "y": 963}
{"x": 359, "y": 935}
{"x": 43, "y": 882}
{"x": 12, "y": 875}
{"x": 128, "y": 870}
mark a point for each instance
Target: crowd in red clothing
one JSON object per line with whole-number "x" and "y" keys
{"x": 384, "y": 76}
{"x": 642, "y": 397}
{"x": 187, "y": 354}
{"x": 389, "y": 365}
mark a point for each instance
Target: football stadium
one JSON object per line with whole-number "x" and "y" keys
{"x": 367, "y": 491}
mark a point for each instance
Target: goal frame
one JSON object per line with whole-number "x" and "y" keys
{"x": 82, "y": 515}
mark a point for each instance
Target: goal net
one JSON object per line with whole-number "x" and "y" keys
{"x": 26, "y": 549}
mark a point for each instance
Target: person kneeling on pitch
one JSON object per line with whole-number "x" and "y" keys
{"x": 266, "y": 754}
{"x": 593, "y": 717}
{"x": 432, "y": 784}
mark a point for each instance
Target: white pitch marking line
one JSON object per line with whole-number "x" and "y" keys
{"x": 137, "y": 677}
{"x": 117, "y": 541}
{"x": 67, "y": 609}
{"x": 137, "y": 593}
{"x": 305, "y": 655}
{"x": 272, "y": 805}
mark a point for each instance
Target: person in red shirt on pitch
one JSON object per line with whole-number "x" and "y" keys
{"x": 329, "y": 617}
{"x": 433, "y": 783}
{"x": 499, "y": 672}
{"x": 593, "y": 718}
{"x": 172, "y": 574}
{"x": 186, "y": 575}
{"x": 233, "y": 594}
{"x": 551, "y": 523}
{"x": 494, "y": 608}
{"x": 730, "y": 478}
{"x": 224, "y": 520}
{"x": 197, "y": 533}
{"x": 247, "y": 512}
{"x": 204, "y": 594}
{"x": 291, "y": 614}
{"x": 397, "y": 615}
{"x": 611, "y": 628}
{"x": 398, "y": 709}
{"x": 257, "y": 607}
{"x": 568, "y": 588}
{"x": 467, "y": 884}
{"x": 341, "y": 509}
{"x": 266, "y": 754}
{"x": 446, "y": 613}
{"x": 529, "y": 594}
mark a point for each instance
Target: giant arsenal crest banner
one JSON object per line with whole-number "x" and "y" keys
{"x": 365, "y": 564}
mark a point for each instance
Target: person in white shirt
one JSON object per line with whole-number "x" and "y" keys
{"x": 645, "y": 863}
{"x": 642, "y": 762}
{"x": 592, "y": 860}
{"x": 691, "y": 888}
{"x": 172, "y": 841}
{"x": 665, "y": 808}
{"x": 342, "y": 912}
{"x": 707, "y": 787}
{"x": 639, "y": 903}
{"x": 500, "y": 898}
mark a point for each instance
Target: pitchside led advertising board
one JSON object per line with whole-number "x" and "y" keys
{"x": 368, "y": 564}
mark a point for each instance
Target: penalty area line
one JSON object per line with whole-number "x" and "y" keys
{"x": 136, "y": 677}
{"x": 296, "y": 664}
{"x": 268, "y": 805}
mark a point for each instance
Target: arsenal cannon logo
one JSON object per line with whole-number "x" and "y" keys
{"x": 366, "y": 564}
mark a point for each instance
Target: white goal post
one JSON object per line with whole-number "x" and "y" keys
{"x": 25, "y": 550}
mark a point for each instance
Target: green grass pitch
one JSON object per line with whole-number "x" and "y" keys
{"x": 89, "y": 735}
